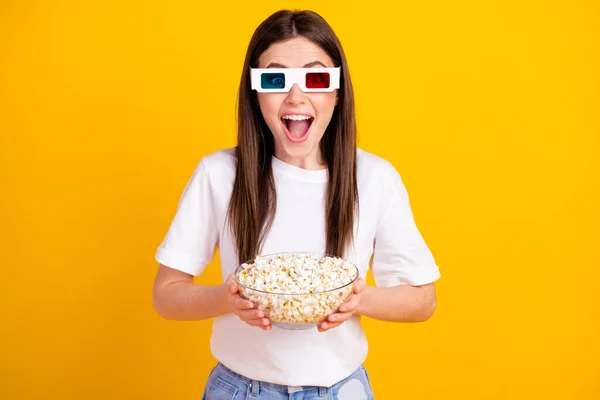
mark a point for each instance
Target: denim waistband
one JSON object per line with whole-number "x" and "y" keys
{"x": 256, "y": 384}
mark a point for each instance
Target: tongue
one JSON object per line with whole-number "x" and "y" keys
{"x": 298, "y": 128}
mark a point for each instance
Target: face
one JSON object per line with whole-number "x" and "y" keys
{"x": 296, "y": 119}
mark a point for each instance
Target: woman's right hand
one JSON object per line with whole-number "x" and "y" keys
{"x": 243, "y": 308}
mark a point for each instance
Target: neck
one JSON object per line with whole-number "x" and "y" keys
{"x": 313, "y": 161}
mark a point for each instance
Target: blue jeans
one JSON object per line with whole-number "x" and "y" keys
{"x": 224, "y": 384}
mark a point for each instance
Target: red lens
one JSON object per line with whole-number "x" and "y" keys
{"x": 317, "y": 80}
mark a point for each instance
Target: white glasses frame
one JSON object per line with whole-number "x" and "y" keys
{"x": 292, "y": 76}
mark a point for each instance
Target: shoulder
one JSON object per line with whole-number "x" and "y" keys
{"x": 216, "y": 167}
{"x": 219, "y": 165}
{"x": 373, "y": 167}
{"x": 219, "y": 160}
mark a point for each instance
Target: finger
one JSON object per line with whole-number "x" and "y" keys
{"x": 232, "y": 284}
{"x": 349, "y": 305}
{"x": 242, "y": 304}
{"x": 238, "y": 302}
{"x": 250, "y": 315}
{"x": 255, "y": 318}
{"x": 359, "y": 286}
{"x": 233, "y": 297}
{"x": 262, "y": 323}
{"x": 325, "y": 326}
{"x": 340, "y": 317}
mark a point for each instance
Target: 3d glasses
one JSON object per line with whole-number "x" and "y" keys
{"x": 276, "y": 80}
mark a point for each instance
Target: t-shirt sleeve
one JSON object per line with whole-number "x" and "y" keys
{"x": 400, "y": 255}
{"x": 190, "y": 242}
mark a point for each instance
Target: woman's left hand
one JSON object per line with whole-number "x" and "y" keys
{"x": 347, "y": 309}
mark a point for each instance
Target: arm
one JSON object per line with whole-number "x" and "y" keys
{"x": 187, "y": 248}
{"x": 403, "y": 268}
{"x": 175, "y": 296}
{"x": 402, "y": 303}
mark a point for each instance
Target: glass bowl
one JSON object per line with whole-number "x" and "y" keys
{"x": 297, "y": 311}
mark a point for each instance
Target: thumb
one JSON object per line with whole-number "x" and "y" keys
{"x": 231, "y": 284}
{"x": 360, "y": 285}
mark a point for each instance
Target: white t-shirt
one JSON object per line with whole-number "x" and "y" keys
{"x": 385, "y": 229}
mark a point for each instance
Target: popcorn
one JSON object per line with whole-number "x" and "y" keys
{"x": 297, "y": 288}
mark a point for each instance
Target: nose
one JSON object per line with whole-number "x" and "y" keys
{"x": 295, "y": 95}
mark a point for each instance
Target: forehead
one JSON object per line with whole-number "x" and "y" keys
{"x": 294, "y": 53}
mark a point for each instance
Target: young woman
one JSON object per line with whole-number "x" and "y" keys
{"x": 296, "y": 182}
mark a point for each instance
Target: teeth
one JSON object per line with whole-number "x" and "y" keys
{"x": 296, "y": 117}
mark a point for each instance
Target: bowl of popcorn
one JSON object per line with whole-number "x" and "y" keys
{"x": 296, "y": 290}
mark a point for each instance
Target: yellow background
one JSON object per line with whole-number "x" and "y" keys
{"x": 489, "y": 110}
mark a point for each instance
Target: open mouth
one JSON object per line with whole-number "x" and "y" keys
{"x": 297, "y": 127}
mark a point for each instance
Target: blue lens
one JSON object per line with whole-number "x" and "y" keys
{"x": 272, "y": 80}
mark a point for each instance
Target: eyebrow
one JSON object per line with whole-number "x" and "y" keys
{"x": 310, "y": 64}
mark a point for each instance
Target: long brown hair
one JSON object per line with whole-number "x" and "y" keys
{"x": 253, "y": 200}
